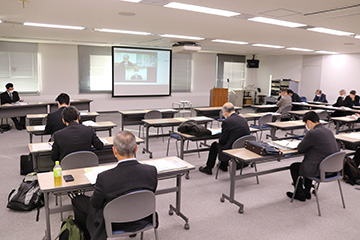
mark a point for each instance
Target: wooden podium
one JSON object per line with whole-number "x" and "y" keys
{"x": 218, "y": 96}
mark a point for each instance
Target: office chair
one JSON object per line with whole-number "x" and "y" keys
{"x": 239, "y": 143}
{"x": 153, "y": 114}
{"x": 333, "y": 163}
{"x": 129, "y": 208}
{"x": 262, "y": 123}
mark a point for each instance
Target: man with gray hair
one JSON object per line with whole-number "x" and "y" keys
{"x": 232, "y": 128}
{"x": 129, "y": 175}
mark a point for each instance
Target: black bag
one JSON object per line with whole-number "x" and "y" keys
{"x": 27, "y": 196}
{"x": 261, "y": 148}
{"x": 4, "y": 127}
{"x": 351, "y": 171}
{"x": 194, "y": 129}
{"x": 26, "y": 164}
{"x": 70, "y": 230}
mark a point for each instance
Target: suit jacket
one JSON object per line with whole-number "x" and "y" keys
{"x": 54, "y": 121}
{"x": 322, "y": 98}
{"x": 350, "y": 103}
{"x": 317, "y": 144}
{"x": 283, "y": 102}
{"x": 126, "y": 177}
{"x": 232, "y": 128}
{"x": 339, "y": 102}
{"x": 5, "y": 98}
{"x": 75, "y": 137}
{"x": 295, "y": 97}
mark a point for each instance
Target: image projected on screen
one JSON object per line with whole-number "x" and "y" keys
{"x": 141, "y": 72}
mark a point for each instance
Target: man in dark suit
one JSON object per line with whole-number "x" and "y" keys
{"x": 340, "y": 102}
{"x": 320, "y": 96}
{"x": 352, "y": 99}
{"x": 11, "y": 96}
{"x": 128, "y": 176}
{"x": 232, "y": 128}
{"x": 54, "y": 120}
{"x": 74, "y": 137}
{"x": 294, "y": 96}
{"x": 318, "y": 143}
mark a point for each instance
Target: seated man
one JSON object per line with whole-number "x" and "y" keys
{"x": 294, "y": 96}
{"x": 74, "y": 137}
{"x": 232, "y": 128}
{"x": 284, "y": 101}
{"x": 340, "y": 102}
{"x": 129, "y": 175}
{"x": 54, "y": 120}
{"x": 11, "y": 96}
{"x": 320, "y": 97}
{"x": 352, "y": 99}
{"x": 318, "y": 143}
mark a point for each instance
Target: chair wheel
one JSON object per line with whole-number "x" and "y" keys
{"x": 150, "y": 156}
{"x": 171, "y": 212}
{"x": 187, "y": 226}
{"x": 241, "y": 210}
{"x": 143, "y": 151}
{"x": 222, "y": 199}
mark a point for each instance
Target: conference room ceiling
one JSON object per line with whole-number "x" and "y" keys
{"x": 150, "y": 16}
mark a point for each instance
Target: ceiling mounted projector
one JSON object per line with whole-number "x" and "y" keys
{"x": 186, "y": 47}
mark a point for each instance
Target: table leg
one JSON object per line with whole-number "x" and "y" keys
{"x": 31, "y": 137}
{"x": 231, "y": 197}
{"x": 47, "y": 216}
{"x": 110, "y": 132}
{"x": 146, "y": 149}
{"x": 177, "y": 209}
{"x": 337, "y": 128}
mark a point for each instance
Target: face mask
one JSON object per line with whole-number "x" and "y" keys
{"x": 318, "y": 95}
{"x": 307, "y": 127}
{"x": 11, "y": 91}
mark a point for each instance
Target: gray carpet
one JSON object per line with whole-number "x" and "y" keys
{"x": 268, "y": 212}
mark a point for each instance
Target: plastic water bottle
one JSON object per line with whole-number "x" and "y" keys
{"x": 57, "y": 174}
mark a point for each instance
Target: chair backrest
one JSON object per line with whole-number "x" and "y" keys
{"x": 128, "y": 208}
{"x": 303, "y": 99}
{"x": 330, "y": 164}
{"x": 265, "y": 119}
{"x": 80, "y": 159}
{"x": 240, "y": 142}
{"x": 153, "y": 114}
{"x": 323, "y": 115}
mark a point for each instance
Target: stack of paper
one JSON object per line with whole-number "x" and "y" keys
{"x": 354, "y": 135}
{"x": 90, "y": 123}
{"x": 165, "y": 165}
{"x": 286, "y": 144}
{"x": 92, "y": 173}
{"x": 215, "y": 131}
{"x": 199, "y": 118}
{"x": 40, "y": 127}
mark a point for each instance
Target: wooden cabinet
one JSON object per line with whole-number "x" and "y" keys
{"x": 218, "y": 96}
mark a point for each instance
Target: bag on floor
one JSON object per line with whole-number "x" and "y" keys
{"x": 27, "y": 196}
{"x": 26, "y": 164}
{"x": 4, "y": 127}
{"x": 351, "y": 171}
{"x": 70, "y": 230}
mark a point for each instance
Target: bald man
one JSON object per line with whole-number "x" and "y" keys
{"x": 232, "y": 128}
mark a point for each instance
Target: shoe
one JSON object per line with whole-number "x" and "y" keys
{"x": 132, "y": 235}
{"x": 297, "y": 197}
{"x": 205, "y": 170}
{"x": 223, "y": 167}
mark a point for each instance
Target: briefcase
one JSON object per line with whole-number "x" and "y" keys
{"x": 26, "y": 164}
{"x": 261, "y": 148}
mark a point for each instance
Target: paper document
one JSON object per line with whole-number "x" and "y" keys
{"x": 83, "y": 113}
{"x": 166, "y": 110}
{"x": 199, "y": 118}
{"x": 354, "y": 135}
{"x": 90, "y": 123}
{"x": 164, "y": 165}
{"x": 285, "y": 144}
{"x": 92, "y": 173}
{"x": 40, "y": 128}
{"x": 37, "y": 147}
{"x": 104, "y": 141}
{"x": 215, "y": 131}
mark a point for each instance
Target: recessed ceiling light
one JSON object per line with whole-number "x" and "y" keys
{"x": 133, "y": 1}
{"x": 357, "y": 36}
{"x": 300, "y": 49}
{"x": 326, "y": 52}
{"x": 195, "y": 8}
{"x": 182, "y": 37}
{"x": 0, "y": 21}
{"x": 229, "y": 41}
{"x": 330, "y": 31}
{"x": 277, "y": 22}
{"x": 267, "y": 45}
{"x": 121, "y": 31}
{"x": 53, "y": 26}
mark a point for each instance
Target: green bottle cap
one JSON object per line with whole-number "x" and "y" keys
{"x": 56, "y": 162}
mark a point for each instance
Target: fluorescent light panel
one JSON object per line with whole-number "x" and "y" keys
{"x": 133, "y": 1}
{"x": 277, "y": 22}
{"x": 357, "y": 36}
{"x": 195, "y": 8}
{"x": 330, "y": 31}
{"x": 0, "y": 21}
{"x": 182, "y": 37}
{"x": 300, "y": 49}
{"x": 53, "y": 26}
{"x": 121, "y": 31}
{"x": 326, "y": 52}
{"x": 229, "y": 41}
{"x": 267, "y": 45}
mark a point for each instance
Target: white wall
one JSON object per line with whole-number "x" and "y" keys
{"x": 58, "y": 72}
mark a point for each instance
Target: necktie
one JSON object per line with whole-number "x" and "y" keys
{"x": 11, "y": 96}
